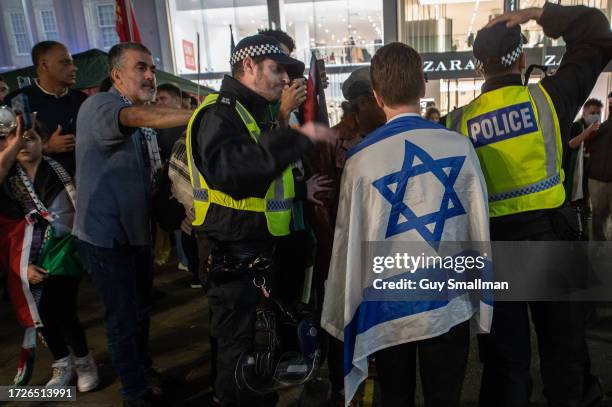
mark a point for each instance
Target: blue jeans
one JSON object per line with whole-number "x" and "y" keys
{"x": 123, "y": 277}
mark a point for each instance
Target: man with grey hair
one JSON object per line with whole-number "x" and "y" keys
{"x": 118, "y": 161}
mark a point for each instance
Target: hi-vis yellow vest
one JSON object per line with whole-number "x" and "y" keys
{"x": 516, "y": 134}
{"x": 278, "y": 201}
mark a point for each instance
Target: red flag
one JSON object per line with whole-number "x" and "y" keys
{"x": 15, "y": 243}
{"x": 127, "y": 29}
{"x": 315, "y": 108}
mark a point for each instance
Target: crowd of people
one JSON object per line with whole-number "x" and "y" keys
{"x": 269, "y": 213}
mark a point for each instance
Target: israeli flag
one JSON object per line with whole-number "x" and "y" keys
{"x": 412, "y": 180}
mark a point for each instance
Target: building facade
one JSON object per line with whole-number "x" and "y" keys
{"x": 191, "y": 38}
{"x": 79, "y": 24}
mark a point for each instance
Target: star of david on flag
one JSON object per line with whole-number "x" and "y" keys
{"x": 450, "y": 206}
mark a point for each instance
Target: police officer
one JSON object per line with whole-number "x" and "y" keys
{"x": 519, "y": 133}
{"x": 239, "y": 164}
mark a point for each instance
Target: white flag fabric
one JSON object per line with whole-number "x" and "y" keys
{"x": 412, "y": 180}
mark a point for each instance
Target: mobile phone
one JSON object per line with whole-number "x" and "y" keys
{"x": 21, "y": 105}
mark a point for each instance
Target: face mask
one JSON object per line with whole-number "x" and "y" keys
{"x": 592, "y": 118}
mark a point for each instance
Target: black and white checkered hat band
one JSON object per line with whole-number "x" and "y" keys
{"x": 253, "y": 51}
{"x": 512, "y": 57}
{"x": 507, "y": 60}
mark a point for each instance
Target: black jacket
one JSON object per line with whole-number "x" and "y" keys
{"x": 588, "y": 39}
{"x": 53, "y": 111}
{"x": 233, "y": 163}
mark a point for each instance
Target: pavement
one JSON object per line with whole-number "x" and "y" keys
{"x": 180, "y": 350}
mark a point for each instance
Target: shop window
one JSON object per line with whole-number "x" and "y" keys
{"x": 211, "y": 22}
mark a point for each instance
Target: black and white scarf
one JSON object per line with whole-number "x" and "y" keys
{"x": 150, "y": 137}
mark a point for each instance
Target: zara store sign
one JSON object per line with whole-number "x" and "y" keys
{"x": 449, "y": 65}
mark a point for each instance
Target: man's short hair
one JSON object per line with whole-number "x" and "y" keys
{"x": 430, "y": 111}
{"x": 610, "y": 95}
{"x": 170, "y": 89}
{"x": 238, "y": 69}
{"x": 116, "y": 53}
{"x": 40, "y": 49}
{"x": 397, "y": 74}
{"x": 280, "y": 36}
{"x": 593, "y": 102}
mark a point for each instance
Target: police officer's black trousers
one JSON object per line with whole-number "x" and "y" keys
{"x": 560, "y": 329}
{"x": 442, "y": 362}
{"x": 232, "y": 304}
{"x": 506, "y": 353}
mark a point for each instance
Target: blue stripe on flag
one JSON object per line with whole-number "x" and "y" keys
{"x": 406, "y": 123}
{"x": 372, "y": 313}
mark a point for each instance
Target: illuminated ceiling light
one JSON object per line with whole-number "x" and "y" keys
{"x": 326, "y": 31}
{"x": 319, "y": 25}
{"x": 338, "y": 41}
{"x": 349, "y": 26}
{"x": 252, "y": 21}
{"x": 354, "y": 31}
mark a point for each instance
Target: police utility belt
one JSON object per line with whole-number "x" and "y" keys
{"x": 226, "y": 266}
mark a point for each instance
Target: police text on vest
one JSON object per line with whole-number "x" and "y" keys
{"x": 502, "y": 124}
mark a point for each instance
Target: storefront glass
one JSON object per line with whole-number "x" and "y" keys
{"x": 211, "y": 21}
{"x": 445, "y": 25}
{"x": 342, "y": 32}
{"x": 338, "y": 31}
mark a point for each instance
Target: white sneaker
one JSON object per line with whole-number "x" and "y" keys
{"x": 182, "y": 267}
{"x": 63, "y": 373}
{"x": 87, "y": 373}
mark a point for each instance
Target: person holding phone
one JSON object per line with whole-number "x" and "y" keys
{"x": 51, "y": 97}
{"x": 37, "y": 190}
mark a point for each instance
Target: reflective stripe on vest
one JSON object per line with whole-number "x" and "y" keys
{"x": 278, "y": 202}
{"x": 517, "y": 137}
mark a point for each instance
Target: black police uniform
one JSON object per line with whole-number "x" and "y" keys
{"x": 562, "y": 346}
{"x": 231, "y": 162}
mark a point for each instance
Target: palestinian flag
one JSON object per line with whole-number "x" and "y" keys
{"x": 315, "y": 107}
{"x": 15, "y": 244}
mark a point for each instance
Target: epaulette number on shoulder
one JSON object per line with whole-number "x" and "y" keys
{"x": 226, "y": 100}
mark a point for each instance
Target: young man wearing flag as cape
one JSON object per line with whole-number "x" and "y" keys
{"x": 409, "y": 181}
